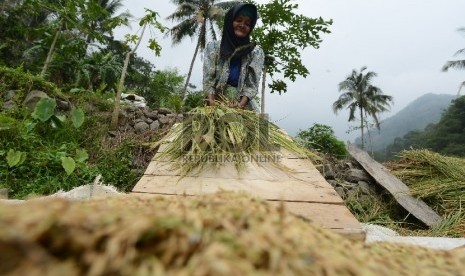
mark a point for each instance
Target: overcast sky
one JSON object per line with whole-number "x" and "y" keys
{"x": 406, "y": 42}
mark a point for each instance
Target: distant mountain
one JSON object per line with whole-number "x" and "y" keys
{"x": 423, "y": 111}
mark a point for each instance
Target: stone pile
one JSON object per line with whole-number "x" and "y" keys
{"x": 348, "y": 179}
{"x": 141, "y": 119}
{"x": 132, "y": 118}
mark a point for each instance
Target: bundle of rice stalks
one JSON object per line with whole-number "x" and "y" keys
{"x": 223, "y": 234}
{"x": 437, "y": 179}
{"x": 213, "y": 135}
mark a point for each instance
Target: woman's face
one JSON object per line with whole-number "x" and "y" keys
{"x": 241, "y": 26}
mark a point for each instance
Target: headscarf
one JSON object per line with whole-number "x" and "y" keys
{"x": 229, "y": 41}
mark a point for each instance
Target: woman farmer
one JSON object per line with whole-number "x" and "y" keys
{"x": 232, "y": 67}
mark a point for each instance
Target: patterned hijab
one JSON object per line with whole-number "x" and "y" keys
{"x": 229, "y": 41}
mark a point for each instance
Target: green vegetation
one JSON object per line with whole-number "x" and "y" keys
{"x": 47, "y": 149}
{"x": 445, "y": 137}
{"x": 283, "y": 34}
{"x": 321, "y": 138}
{"x": 24, "y": 82}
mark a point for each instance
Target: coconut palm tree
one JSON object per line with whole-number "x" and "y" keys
{"x": 101, "y": 19}
{"x": 360, "y": 95}
{"x": 456, "y": 64}
{"x": 196, "y": 19}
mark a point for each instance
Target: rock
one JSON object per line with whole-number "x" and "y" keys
{"x": 130, "y": 108}
{"x": 329, "y": 171}
{"x": 164, "y": 111}
{"x": 356, "y": 175}
{"x": 179, "y": 118}
{"x": 171, "y": 118}
{"x": 10, "y": 94}
{"x": 348, "y": 185}
{"x": 364, "y": 187}
{"x": 353, "y": 193}
{"x": 341, "y": 192}
{"x": 146, "y": 111}
{"x": 152, "y": 115}
{"x": 148, "y": 121}
{"x": 154, "y": 125}
{"x": 349, "y": 165}
{"x": 334, "y": 183}
{"x": 122, "y": 117}
{"x": 164, "y": 120}
{"x": 33, "y": 97}
{"x": 9, "y": 105}
{"x": 141, "y": 127}
{"x": 63, "y": 105}
{"x": 139, "y": 113}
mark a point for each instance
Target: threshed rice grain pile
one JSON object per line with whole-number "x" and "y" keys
{"x": 222, "y": 234}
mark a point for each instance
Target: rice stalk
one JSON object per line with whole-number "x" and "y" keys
{"x": 209, "y": 136}
{"x": 437, "y": 179}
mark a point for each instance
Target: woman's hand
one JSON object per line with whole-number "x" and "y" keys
{"x": 243, "y": 102}
{"x": 211, "y": 99}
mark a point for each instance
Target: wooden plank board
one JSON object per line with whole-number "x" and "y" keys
{"x": 294, "y": 190}
{"x": 252, "y": 171}
{"x": 326, "y": 215}
{"x": 293, "y": 180}
{"x": 397, "y": 188}
{"x": 334, "y": 217}
{"x": 354, "y": 234}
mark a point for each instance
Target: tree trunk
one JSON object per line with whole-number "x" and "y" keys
{"x": 52, "y": 49}
{"x": 262, "y": 107}
{"x": 190, "y": 69}
{"x": 361, "y": 127}
{"x": 114, "y": 117}
{"x": 460, "y": 88}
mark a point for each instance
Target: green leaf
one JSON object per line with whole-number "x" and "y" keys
{"x": 81, "y": 155}
{"x": 75, "y": 90}
{"x": 15, "y": 158}
{"x": 77, "y": 117}
{"x": 68, "y": 164}
{"x": 6, "y": 123}
{"x": 44, "y": 109}
{"x": 30, "y": 126}
{"x": 57, "y": 121}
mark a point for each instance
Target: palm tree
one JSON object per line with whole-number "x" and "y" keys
{"x": 456, "y": 64}
{"x": 196, "y": 19}
{"x": 101, "y": 19}
{"x": 360, "y": 95}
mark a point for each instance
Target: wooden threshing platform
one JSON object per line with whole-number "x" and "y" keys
{"x": 294, "y": 181}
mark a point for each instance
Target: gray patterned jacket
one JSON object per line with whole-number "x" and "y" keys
{"x": 217, "y": 72}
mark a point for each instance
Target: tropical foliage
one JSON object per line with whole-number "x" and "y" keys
{"x": 283, "y": 34}
{"x": 359, "y": 95}
{"x": 456, "y": 64}
{"x": 321, "y": 138}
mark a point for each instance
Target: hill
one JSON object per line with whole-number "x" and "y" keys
{"x": 423, "y": 111}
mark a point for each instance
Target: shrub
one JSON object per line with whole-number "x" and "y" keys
{"x": 321, "y": 138}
